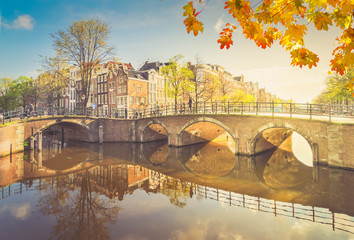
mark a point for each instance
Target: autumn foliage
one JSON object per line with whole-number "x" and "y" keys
{"x": 267, "y": 21}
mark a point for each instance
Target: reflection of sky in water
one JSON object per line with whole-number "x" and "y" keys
{"x": 153, "y": 217}
{"x": 302, "y": 149}
{"x": 18, "y": 211}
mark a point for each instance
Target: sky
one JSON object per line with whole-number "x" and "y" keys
{"x": 153, "y": 30}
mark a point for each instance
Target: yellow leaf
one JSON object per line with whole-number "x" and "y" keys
{"x": 296, "y": 32}
{"x": 188, "y": 9}
{"x": 322, "y": 20}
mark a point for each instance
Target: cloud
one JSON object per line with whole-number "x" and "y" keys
{"x": 219, "y": 24}
{"x": 21, "y": 212}
{"x": 23, "y": 22}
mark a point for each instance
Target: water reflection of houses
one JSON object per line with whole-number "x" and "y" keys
{"x": 118, "y": 180}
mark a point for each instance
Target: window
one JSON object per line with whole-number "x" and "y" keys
{"x": 125, "y": 100}
{"x": 132, "y": 100}
{"x": 138, "y": 89}
{"x": 119, "y": 90}
{"x": 113, "y": 98}
{"x": 137, "y": 100}
{"x": 143, "y": 100}
{"x": 125, "y": 89}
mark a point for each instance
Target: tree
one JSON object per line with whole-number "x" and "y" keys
{"x": 225, "y": 87}
{"x": 177, "y": 77}
{"x": 85, "y": 44}
{"x": 26, "y": 90}
{"x": 54, "y": 79}
{"x": 212, "y": 88}
{"x": 337, "y": 89}
{"x": 240, "y": 96}
{"x": 8, "y": 94}
{"x": 198, "y": 80}
{"x": 286, "y": 21}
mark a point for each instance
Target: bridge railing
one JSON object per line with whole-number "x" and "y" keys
{"x": 226, "y": 107}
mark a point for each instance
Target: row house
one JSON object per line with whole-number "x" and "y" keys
{"x": 68, "y": 99}
{"x": 157, "y": 94}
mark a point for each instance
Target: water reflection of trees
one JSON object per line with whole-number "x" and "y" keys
{"x": 177, "y": 191}
{"x": 80, "y": 212}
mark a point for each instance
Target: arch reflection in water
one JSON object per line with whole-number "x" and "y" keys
{"x": 302, "y": 149}
{"x": 280, "y": 167}
{"x": 156, "y": 152}
{"x": 209, "y": 160}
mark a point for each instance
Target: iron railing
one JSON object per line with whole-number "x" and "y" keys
{"x": 257, "y": 108}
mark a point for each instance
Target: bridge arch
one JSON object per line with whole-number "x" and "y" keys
{"x": 256, "y": 135}
{"x": 77, "y": 130}
{"x": 208, "y": 120}
{"x": 158, "y": 133}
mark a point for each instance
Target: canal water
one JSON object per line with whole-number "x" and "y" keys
{"x": 150, "y": 191}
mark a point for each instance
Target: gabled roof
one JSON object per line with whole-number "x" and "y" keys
{"x": 152, "y": 65}
{"x": 138, "y": 74}
{"x": 127, "y": 65}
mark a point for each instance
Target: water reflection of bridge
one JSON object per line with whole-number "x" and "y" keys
{"x": 115, "y": 181}
{"x": 308, "y": 213}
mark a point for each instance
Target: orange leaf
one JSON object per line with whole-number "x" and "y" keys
{"x": 192, "y": 24}
{"x": 225, "y": 40}
{"x": 322, "y": 20}
{"x": 303, "y": 57}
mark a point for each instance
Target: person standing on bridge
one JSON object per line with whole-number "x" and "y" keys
{"x": 190, "y": 104}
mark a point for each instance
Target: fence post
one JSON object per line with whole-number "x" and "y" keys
{"x": 272, "y": 108}
{"x": 216, "y": 107}
{"x": 256, "y": 108}
{"x": 329, "y": 112}
{"x": 310, "y": 111}
{"x": 242, "y": 108}
{"x": 228, "y": 107}
{"x": 204, "y": 107}
{"x": 291, "y": 110}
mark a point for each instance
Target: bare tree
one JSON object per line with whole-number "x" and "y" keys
{"x": 53, "y": 80}
{"x": 85, "y": 44}
{"x": 225, "y": 87}
{"x": 199, "y": 81}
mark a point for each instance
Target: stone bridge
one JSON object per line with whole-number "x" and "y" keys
{"x": 331, "y": 143}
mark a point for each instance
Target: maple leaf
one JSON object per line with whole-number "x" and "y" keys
{"x": 192, "y": 24}
{"x": 225, "y": 38}
{"x": 322, "y": 20}
{"x": 286, "y": 13}
{"x": 189, "y": 9}
{"x": 303, "y": 57}
{"x": 296, "y": 32}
